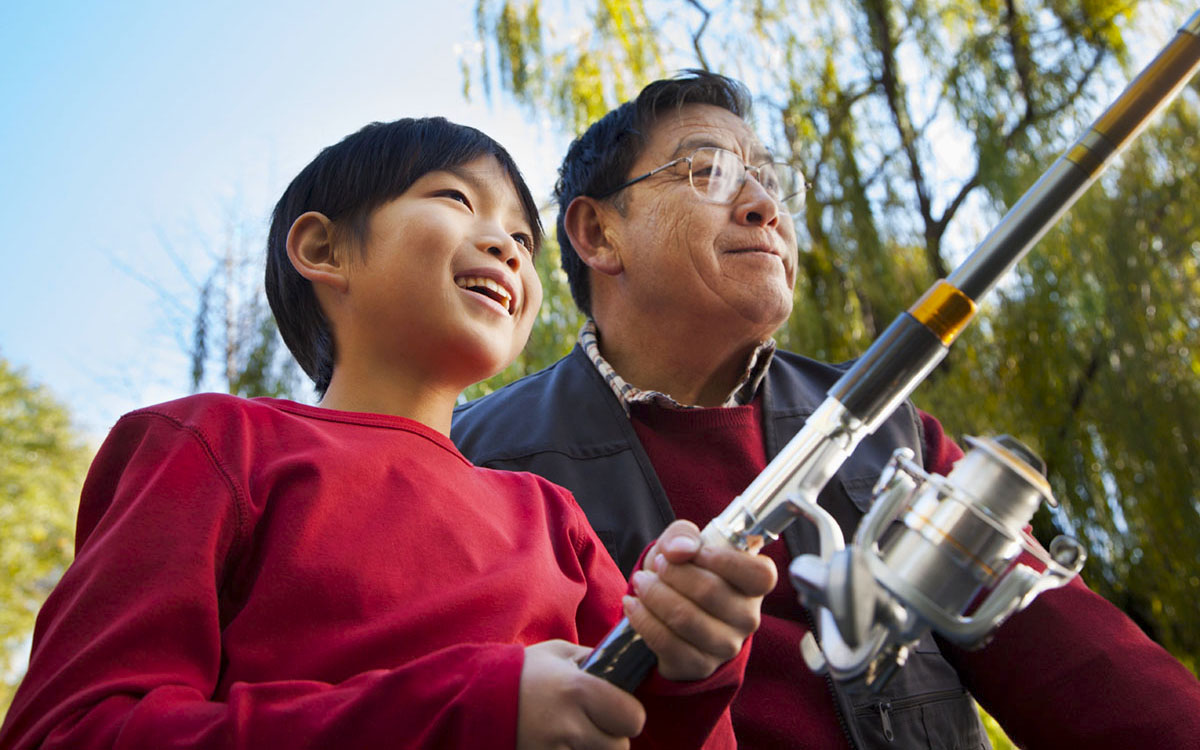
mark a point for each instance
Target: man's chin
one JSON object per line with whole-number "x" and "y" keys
{"x": 757, "y": 324}
{"x": 768, "y": 310}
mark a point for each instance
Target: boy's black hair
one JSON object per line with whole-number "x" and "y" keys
{"x": 601, "y": 158}
{"x": 346, "y": 182}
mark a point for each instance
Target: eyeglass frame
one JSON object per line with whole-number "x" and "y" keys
{"x": 805, "y": 185}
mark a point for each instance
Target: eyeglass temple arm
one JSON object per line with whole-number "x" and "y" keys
{"x": 649, "y": 174}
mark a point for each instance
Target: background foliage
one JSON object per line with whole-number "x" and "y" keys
{"x": 42, "y": 463}
{"x": 235, "y": 345}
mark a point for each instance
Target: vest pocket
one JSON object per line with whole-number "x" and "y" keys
{"x": 942, "y": 720}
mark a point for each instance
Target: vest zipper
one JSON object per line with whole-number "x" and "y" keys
{"x": 837, "y": 704}
{"x": 886, "y": 719}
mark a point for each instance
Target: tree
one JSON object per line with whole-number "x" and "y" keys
{"x": 233, "y": 330}
{"x": 42, "y": 464}
{"x": 919, "y": 122}
{"x": 229, "y": 335}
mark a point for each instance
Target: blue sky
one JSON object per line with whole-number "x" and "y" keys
{"x": 131, "y": 131}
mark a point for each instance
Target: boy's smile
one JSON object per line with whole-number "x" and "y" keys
{"x": 489, "y": 285}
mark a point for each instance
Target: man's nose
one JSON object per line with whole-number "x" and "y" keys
{"x": 754, "y": 205}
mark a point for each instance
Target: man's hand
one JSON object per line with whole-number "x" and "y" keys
{"x": 696, "y": 605}
{"x": 561, "y": 706}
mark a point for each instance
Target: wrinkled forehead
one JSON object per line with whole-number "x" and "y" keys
{"x": 679, "y": 132}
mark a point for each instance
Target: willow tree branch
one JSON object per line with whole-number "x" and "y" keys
{"x": 893, "y": 89}
{"x": 700, "y": 32}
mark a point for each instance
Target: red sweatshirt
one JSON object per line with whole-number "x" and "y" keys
{"x": 263, "y": 574}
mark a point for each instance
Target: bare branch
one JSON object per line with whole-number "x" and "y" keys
{"x": 700, "y": 32}
{"x": 1021, "y": 59}
{"x": 885, "y": 43}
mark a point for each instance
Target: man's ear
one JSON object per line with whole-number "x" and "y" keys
{"x": 588, "y": 225}
{"x": 310, "y": 248}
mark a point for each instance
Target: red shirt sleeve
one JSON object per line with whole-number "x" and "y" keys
{"x": 941, "y": 452}
{"x": 1072, "y": 670}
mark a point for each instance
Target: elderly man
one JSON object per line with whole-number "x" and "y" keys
{"x": 678, "y": 241}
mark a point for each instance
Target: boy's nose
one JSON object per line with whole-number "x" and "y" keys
{"x": 509, "y": 257}
{"x": 505, "y": 248}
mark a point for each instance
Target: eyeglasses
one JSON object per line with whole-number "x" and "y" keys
{"x": 717, "y": 176}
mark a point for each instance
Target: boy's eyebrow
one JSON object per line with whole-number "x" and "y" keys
{"x": 466, "y": 176}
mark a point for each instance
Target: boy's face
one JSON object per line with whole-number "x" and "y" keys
{"x": 446, "y": 291}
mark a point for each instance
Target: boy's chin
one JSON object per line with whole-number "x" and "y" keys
{"x": 496, "y": 369}
{"x": 476, "y": 364}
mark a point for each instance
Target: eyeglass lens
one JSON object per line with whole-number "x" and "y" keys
{"x": 717, "y": 175}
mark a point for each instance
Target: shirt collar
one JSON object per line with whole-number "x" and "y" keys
{"x": 743, "y": 392}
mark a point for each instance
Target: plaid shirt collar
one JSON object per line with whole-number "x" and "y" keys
{"x": 743, "y": 392}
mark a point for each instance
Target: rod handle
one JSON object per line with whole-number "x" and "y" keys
{"x": 622, "y": 658}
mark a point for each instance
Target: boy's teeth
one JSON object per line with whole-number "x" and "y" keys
{"x": 489, "y": 287}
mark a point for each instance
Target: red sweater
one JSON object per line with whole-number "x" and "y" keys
{"x": 1088, "y": 676}
{"x": 263, "y": 574}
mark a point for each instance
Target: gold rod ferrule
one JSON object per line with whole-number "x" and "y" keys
{"x": 944, "y": 310}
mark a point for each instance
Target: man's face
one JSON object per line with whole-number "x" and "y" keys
{"x": 717, "y": 267}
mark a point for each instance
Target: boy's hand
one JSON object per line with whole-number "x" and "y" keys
{"x": 695, "y": 604}
{"x": 561, "y": 706}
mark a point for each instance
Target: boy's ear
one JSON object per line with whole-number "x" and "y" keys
{"x": 588, "y": 224}
{"x": 310, "y": 248}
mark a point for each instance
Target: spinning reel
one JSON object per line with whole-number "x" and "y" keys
{"x": 934, "y": 552}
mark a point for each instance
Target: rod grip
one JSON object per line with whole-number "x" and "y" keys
{"x": 622, "y": 658}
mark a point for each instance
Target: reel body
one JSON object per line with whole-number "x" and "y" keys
{"x": 933, "y": 552}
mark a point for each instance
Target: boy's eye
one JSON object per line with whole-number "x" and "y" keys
{"x": 525, "y": 241}
{"x": 455, "y": 195}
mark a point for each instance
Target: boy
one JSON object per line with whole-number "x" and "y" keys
{"x": 261, "y": 573}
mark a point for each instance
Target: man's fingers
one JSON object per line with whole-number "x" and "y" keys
{"x": 710, "y": 592}
{"x": 696, "y": 604}
{"x": 703, "y": 613}
{"x": 678, "y": 659}
{"x": 752, "y": 575}
{"x": 678, "y": 543}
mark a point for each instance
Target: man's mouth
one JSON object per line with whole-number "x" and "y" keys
{"x": 488, "y": 288}
{"x": 754, "y": 249}
{"x": 745, "y": 250}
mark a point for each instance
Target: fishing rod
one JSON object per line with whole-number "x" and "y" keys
{"x": 878, "y": 621}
